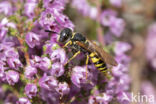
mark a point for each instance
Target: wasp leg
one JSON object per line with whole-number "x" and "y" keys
{"x": 77, "y": 53}
{"x": 69, "y": 42}
{"x": 87, "y": 60}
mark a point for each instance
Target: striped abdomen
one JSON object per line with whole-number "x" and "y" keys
{"x": 98, "y": 62}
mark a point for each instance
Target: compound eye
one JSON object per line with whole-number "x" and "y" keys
{"x": 65, "y": 35}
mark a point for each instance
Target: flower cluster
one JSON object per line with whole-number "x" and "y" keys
{"x": 10, "y": 63}
{"x": 33, "y": 65}
{"x": 108, "y": 17}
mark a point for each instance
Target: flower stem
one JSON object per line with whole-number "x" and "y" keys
{"x": 99, "y": 28}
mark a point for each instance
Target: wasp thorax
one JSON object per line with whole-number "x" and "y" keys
{"x": 65, "y": 35}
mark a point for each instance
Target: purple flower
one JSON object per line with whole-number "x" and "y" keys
{"x": 4, "y": 22}
{"x": 150, "y": 45}
{"x": 31, "y": 90}
{"x": 29, "y": 8}
{"x": 23, "y": 100}
{"x": 30, "y": 72}
{"x": 63, "y": 88}
{"x": 12, "y": 77}
{"x": 2, "y": 74}
{"x": 14, "y": 63}
{"x": 51, "y": 45}
{"x": 123, "y": 59}
{"x": 50, "y": 97}
{"x": 121, "y": 98}
{"x": 32, "y": 39}
{"x": 101, "y": 99}
{"x": 35, "y": 61}
{"x": 6, "y": 8}
{"x": 79, "y": 76}
{"x": 48, "y": 82}
{"x": 57, "y": 69}
{"x": 85, "y": 8}
{"x": 57, "y": 4}
{"x": 117, "y": 26}
{"x": 47, "y": 17}
{"x": 93, "y": 12}
{"x": 121, "y": 48}
{"x": 116, "y": 71}
{"x": 58, "y": 55}
{"x": 106, "y": 15}
{"x": 10, "y": 52}
{"x": 3, "y": 33}
{"x": 45, "y": 64}
{"x": 117, "y": 3}
{"x": 50, "y": 19}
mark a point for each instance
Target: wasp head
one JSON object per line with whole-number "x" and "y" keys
{"x": 65, "y": 35}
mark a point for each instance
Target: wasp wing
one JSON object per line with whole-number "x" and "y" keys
{"x": 93, "y": 47}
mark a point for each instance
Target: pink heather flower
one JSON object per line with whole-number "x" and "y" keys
{"x": 79, "y": 76}
{"x": 93, "y": 13}
{"x": 4, "y": 22}
{"x": 23, "y": 100}
{"x": 7, "y": 51}
{"x": 57, "y": 69}
{"x": 2, "y": 74}
{"x": 50, "y": 97}
{"x": 48, "y": 82}
{"x": 121, "y": 98}
{"x": 85, "y": 8}
{"x": 42, "y": 63}
{"x": 30, "y": 72}
{"x": 47, "y": 17}
{"x": 29, "y": 8}
{"x": 117, "y": 26}
{"x": 32, "y": 39}
{"x": 121, "y": 48}
{"x": 31, "y": 90}
{"x": 3, "y": 33}
{"x": 14, "y": 63}
{"x": 45, "y": 64}
{"x": 106, "y": 15}
{"x": 6, "y": 8}
{"x": 123, "y": 59}
{"x": 58, "y": 55}
{"x": 10, "y": 52}
{"x": 57, "y": 4}
{"x": 150, "y": 45}
{"x": 116, "y": 71}
{"x": 63, "y": 88}
{"x": 35, "y": 61}
{"x": 53, "y": 19}
{"x": 117, "y": 3}
{"x": 12, "y": 77}
{"x": 101, "y": 99}
{"x": 51, "y": 45}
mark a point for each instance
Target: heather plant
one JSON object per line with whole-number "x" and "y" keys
{"x": 32, "y": 61}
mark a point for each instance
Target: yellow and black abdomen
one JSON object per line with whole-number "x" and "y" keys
{"x": 98, "y": 62}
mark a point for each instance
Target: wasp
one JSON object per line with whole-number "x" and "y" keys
{"x": 81, "y": 44}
